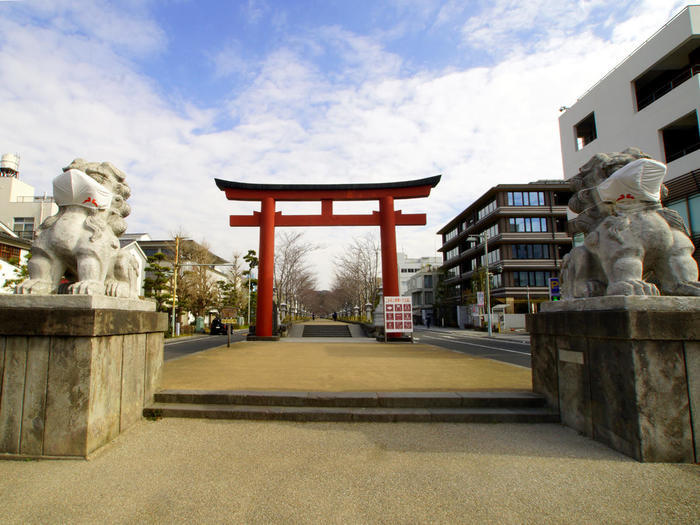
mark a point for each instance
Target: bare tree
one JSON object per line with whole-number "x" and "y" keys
{"x": 233, "y": 291}
{"x": 198, "y": 288}
{"x": 356, "y": 277}
{"x": 293, "y": 277}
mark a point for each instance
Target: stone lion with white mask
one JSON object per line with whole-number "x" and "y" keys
{"x": 81, "y": 242}
{"x": 632, "y": 244}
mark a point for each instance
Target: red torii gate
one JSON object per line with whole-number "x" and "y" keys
{"x": 267, "y": 218}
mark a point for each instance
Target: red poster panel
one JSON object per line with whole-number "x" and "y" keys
{"x": 398, "y": 314}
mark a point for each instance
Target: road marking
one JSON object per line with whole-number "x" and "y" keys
{"x": 485, "y": 346}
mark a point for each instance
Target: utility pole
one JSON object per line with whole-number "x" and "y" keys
{"x": 175, "y": 272}
{"x": 488, "y": 274}
{"x": 488, "y": 280}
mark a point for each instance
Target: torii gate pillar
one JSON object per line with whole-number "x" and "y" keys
{"x": 266, "y": 276}
{"x": 387, "y": 236}
{"x": 267, "y": 219}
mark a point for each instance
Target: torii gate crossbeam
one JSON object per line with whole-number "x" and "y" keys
{"x": 268, "y": 218}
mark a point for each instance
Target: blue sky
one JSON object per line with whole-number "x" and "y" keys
{"x": 177, "y": 92}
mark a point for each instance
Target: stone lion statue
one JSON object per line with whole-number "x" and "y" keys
{"x": 632, "y": 244}
{"x": 77, "y": 250}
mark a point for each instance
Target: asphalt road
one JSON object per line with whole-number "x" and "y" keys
{"x": 175, "y": 348}
{"x": 510, "y": 351}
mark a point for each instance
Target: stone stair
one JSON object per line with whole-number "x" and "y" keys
{"x": 326, "y": 330}
{"x": 453, "y": 407}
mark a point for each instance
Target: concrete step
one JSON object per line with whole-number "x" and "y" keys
{"x": 366, "y": 414}
{"x": 311, "y": 330}
{"x": 476, "y": 407}
{"x": 467, "y": 399}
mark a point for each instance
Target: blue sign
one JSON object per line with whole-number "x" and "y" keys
{"x": 554, "y": 293}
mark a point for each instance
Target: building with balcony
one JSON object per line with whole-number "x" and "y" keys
{"x": 650, "y": 101}
{"x": 20, "y": 209}
{"x": 526, "y": 232}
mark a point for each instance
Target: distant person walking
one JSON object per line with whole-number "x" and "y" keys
{"x": 313, "y": 316}
{"x": 427, "y": 321}
{"x": 335, "y": 316}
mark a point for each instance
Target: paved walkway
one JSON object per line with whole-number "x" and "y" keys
{"x": 195, "y": 471}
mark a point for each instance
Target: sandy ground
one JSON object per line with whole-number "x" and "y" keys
{"x": 341, "y": 367}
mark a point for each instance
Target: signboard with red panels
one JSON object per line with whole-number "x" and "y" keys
{"x": 398, "y": 314}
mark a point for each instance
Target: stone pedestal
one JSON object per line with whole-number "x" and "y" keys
{"x": 75, "y": 371}
{"x": 623, "y": 370}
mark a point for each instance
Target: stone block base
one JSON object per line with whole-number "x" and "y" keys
{"x": 72, "y": 376}
{"x": 625, "y": 371}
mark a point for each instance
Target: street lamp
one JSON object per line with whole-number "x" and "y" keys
{"x": 488, "y": 274}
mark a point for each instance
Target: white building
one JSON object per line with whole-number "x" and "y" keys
{"x": 650, "y": 101}
{"x": 422, "y": 286}
{"x": 13, "y": 253}
{"x": 20, "y": 209}
{"x": 410, "y": 265}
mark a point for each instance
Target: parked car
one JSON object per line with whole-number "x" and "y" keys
{"x": 217, "y": 327}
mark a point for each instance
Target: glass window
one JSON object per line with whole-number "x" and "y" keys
{"x": 682, "y": 208}
{"x": 24, "y": 227}
{"x": 428, "y": 296}
{"x": 427, "y": 281}
{"x": 694, "y": 207}
{"x": 527, "y": 224}
{"x": 450, "y": 235}
{"x": 525, "y": 198}
{"x": 486, "y": 210}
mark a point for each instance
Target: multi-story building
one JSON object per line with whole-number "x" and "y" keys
{"x": 421, "y": 287}
{"x": 650, "y": 101}
{"x": 526, "y": 232}
{"x": 20, "y": 209}
{"x": 408, "y": 266}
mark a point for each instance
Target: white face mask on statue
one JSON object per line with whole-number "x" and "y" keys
{"x": 73, "y": 187}
{"x": 634, "y": 185}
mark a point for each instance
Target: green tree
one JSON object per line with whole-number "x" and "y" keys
{"x": 157, "y": 284}
{"x": 250, "y": 283}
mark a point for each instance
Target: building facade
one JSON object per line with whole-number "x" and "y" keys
{"x": 525, "y": 228}
{"x": 13, "y": 253}
{"x": 422, "y": 286}
{"x": 650, "y": 101}
{"x": 20, "y": 209}
{"x": 409, "y": 266}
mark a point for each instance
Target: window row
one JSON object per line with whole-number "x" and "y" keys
{"x": 530, "y": 251}
{"x": 486, "y": 210}
{"x": 525, "y": 198}
{"x": 454, "y": 252}
{"x": 494, "y": 256}
{"x": 451, "y": 234}
{"x": 527, "y": 224}
{"x": 531, "y": 278}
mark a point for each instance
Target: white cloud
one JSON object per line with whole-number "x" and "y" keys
{"x": 72, "y": 93}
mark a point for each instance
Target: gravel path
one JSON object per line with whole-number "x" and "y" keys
{"x": 198, "y": 471}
